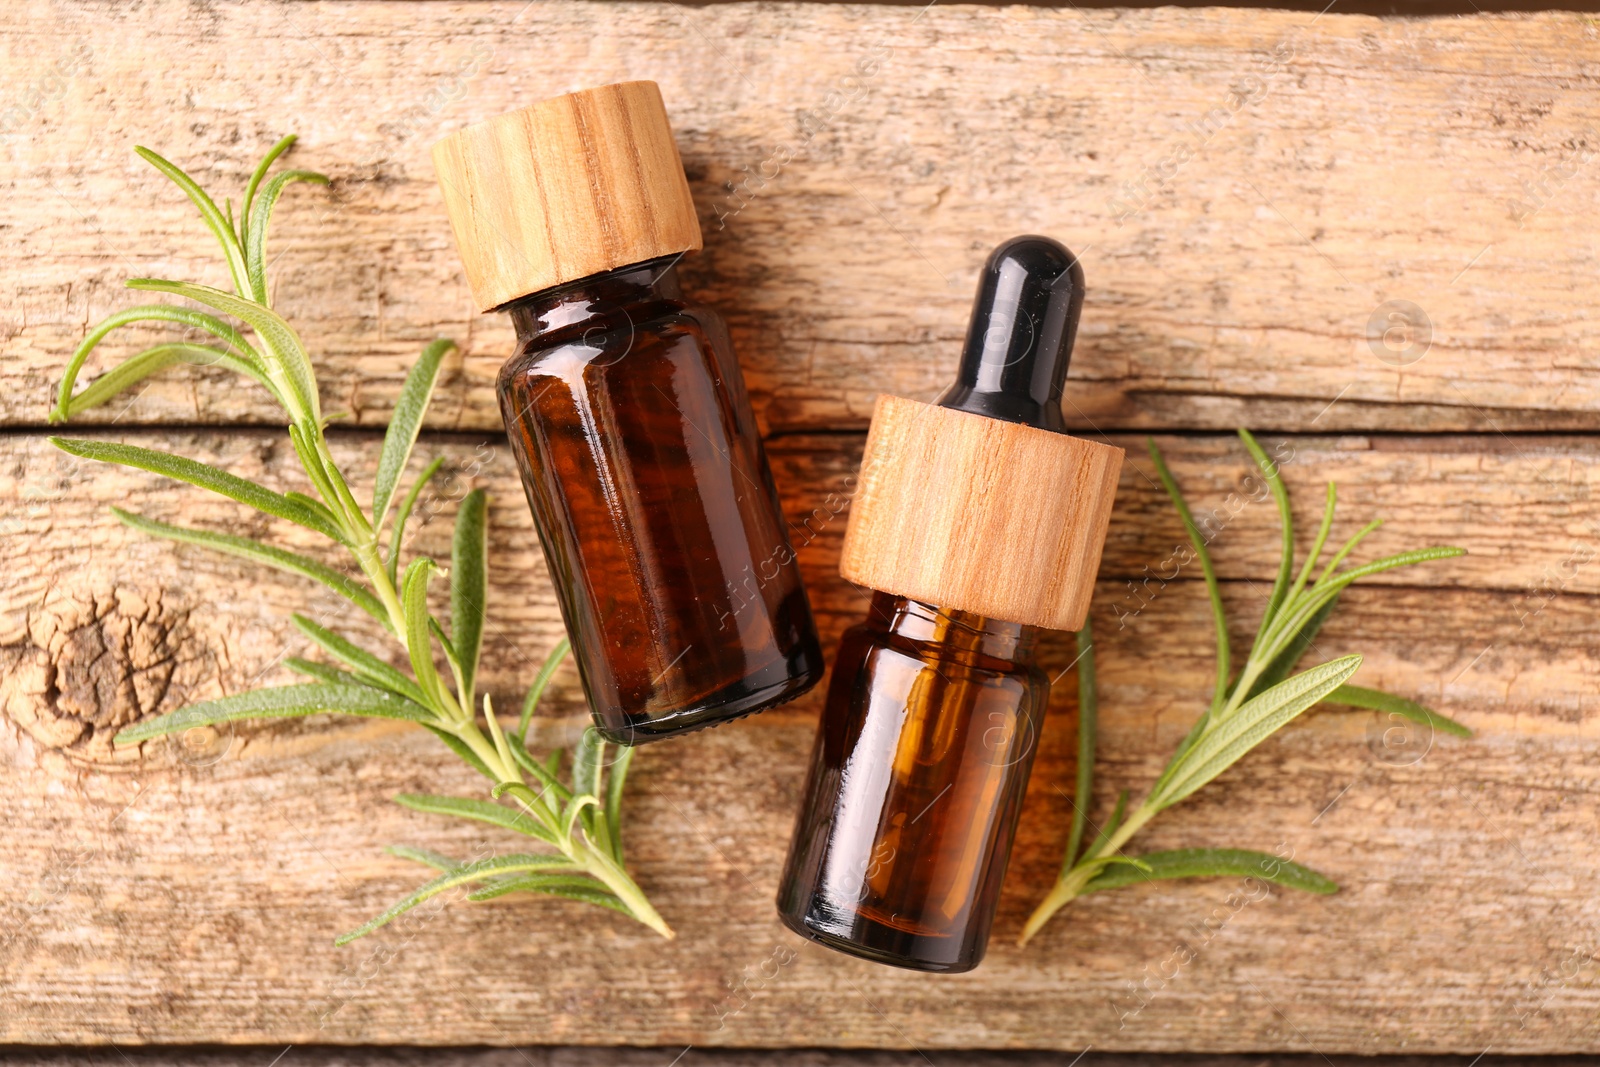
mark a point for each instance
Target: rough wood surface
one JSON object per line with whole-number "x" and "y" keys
{"x": 569, "y": 1056}
{"x": 1249, "y": 190}
{"x": 190, "y": 893}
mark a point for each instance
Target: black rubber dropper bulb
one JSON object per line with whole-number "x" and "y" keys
{"x": 1020, "y": 339}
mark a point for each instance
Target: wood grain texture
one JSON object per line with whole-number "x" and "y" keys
{"x": 980, "y": 515}
{"x": 1249, "y": 191}
{"x": 582, "y": 1056}
{"x": 563, "y": 189}
{"x": 190, "y": 893}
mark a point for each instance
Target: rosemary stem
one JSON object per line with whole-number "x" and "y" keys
{"x": 371, "y": 564}
{"x": 1071, "y": 884}
{"x": 576, "y": 847}
{"x": 504, "y": 771}
{"x": 607, "y": 870}
{"x": 366, "y": 536}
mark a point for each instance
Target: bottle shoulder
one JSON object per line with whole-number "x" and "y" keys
{"x": 607, "y": 336}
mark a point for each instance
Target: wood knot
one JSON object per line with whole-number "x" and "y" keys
{"x": 88, "y": 663}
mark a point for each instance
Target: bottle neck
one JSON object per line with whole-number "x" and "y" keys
{"x": 594, "y": 300}
{"x": 961, "y": 631}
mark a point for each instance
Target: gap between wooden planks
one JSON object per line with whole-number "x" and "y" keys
{"x": 1249, "y": 190}
{"x": 169, "y": 898}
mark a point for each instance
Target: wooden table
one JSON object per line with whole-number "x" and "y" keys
{"x": 1249, "y": 192}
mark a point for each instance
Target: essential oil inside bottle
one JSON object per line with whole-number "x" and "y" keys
{"x": 628, "y": 416}
{"x": 921, "y": 764}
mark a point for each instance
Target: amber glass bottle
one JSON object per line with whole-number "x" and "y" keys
{"x": 922, "y": 759}
{"x": 628, "y": 417}
{"x": 979, "y": 522}
{"x": 657, "y": 511}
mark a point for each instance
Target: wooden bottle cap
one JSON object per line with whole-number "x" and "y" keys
{"x": 565, "y": 188}
{"x": 974, "y": 514}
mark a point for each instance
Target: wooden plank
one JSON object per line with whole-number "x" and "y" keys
{"x": 1249, "y": 190}
{"x": 582, "y": 1056}
{"x": 190, "y": 894}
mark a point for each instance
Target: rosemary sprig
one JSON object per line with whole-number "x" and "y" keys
{"x": 579, "y": 821}
{"x": 1244, "y": 710}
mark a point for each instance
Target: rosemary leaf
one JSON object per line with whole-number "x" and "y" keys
{"x": 255, "y": 241}
{"x": 586, "y": 757}
{"x": 447, "y": 648}
{"x": 1280, "y": 495}
{"x": 479, "y": 810}
{"x": 214, "y": 219}
{"x": 588, "y": 760}
{"x": 285, "y": 702}
{"x": 469, "y": 583}
{"x": 1118, "y": 814}
{"x": 137, "y": 368}
{"x": 575, "y": 808}
{"x": 616, "y": 775}
{"x": 472, "y": 872}
{"x": 206, "y": 477}
{"x": 1356, "y": 696}
{"x": 321, "y": 671}
{"x": 404, "y": 425}
{"x": 1213, "y": 863}
{"x": 317, "y": 506}
{"x": 541, "y": 680}
{"x": 546, "y": 775}
{"x": 369, "y": 668}
{"x": 1219, "y": 619}
{"x": 284, "y": 358}
{"x": 1294, "y": 617}
{"x": 419, "y": 641}
{"x": 397, "y": 533}
{"x": 533, "y": 883}
{"x": 1345, "y": 549}
{"x": 585, "y": 890}
{"x": 1284, "y": 662}
{"x": 426, "y": 857}
{"x": 255, "y": 182}
{"x": 1088, "y": 716}
{"x": 145, "y": 364}
{"x": 462, "y": 749}
{"x": 1255, "y": 721}
{"x": 271, "y": 555}
{"x": 311, "y": 463}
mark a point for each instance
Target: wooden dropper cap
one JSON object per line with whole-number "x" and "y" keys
{"x": 982, "y": 502}
{"x": 564, "y": 189}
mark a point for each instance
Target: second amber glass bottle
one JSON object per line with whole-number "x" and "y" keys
{"x": 979, "y": 521}
{"x": 628, "y": 416}
{"x": 921, "y": 762}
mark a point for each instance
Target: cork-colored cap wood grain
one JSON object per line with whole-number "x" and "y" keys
{"x": 565, "y": 188}
{"x": 974, "y": 514}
